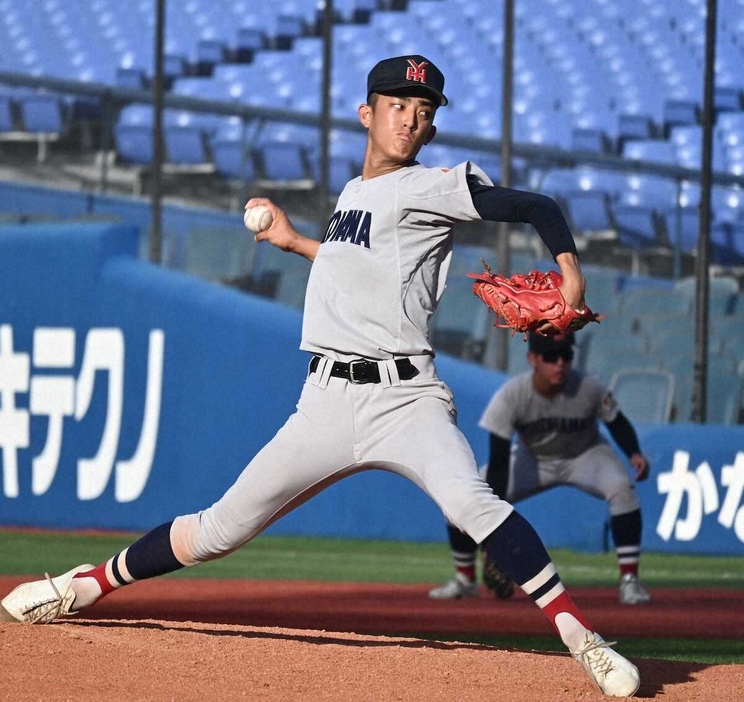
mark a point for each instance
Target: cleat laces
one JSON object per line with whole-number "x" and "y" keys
{"x": 594, "y": 658}
{"x": 46, "y": 610}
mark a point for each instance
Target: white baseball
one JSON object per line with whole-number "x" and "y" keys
{"x": 258, "y": 218}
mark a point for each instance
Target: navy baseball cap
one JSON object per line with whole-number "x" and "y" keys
{"x": 553, "y": 342}
{"x": 407, "y": 73}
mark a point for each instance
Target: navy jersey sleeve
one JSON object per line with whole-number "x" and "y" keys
{"x": 497, "y": 204}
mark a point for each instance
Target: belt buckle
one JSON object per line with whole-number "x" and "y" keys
{"x": 352, "y": 378}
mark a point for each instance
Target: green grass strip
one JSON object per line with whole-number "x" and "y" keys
{"x": 348, "y": 560}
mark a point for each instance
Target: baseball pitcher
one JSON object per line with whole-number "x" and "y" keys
{"x": 372, "y": 398}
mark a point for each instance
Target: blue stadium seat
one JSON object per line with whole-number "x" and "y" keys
{"x": 186, "y": 145}
{"x": 7, "y": 120}
{"x": 651, "y": 191}
{"x": 603, "y": 360}
{"x": 41, "y": 113}
{"x": 644, "y": 394}
{"x": 724, "y": 392}
{"x": 460, "y": 324}
{"x": 288, "y": 28}
{"x": 131, "y": 77}
{"x": 631, "y": 126}
{"x": 588, "y": 210}
{"x": 682, "y": 226}
{"x": 284, "y": 162}
{"x": 208, "y": 53}
{"x": 136, "y": 114}
{"x": 680, "y": 112}
{"x": 653, "y": 150}
{"x": 249, "y": 41}
{"x": 688, "y": 144}
{"x": 644, "y": 302}
{"x": 728, "y": 98}
{"x": 637, "y": 225}
{"x": 592, "y": 140}
{"x": 232, "y": 157}
{"x": 559, "y": 182}
{"x": 134, "y": 143}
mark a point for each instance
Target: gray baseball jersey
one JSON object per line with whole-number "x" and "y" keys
{"x": 558, "y": 440}
{"x": 563, "y": 426}
{"x": 374, "y": 284}
{"x": 383, "y": 263}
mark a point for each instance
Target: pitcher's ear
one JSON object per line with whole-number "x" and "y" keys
{"x": 365, "y": 114}
{"x": 430, "y": 136}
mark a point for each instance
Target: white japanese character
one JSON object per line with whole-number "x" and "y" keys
{"x": 132, "y": 475}
{"x": 702, "y": 497}
{"x": 14, "y": 422}
{"x": 104, "y": 351}
{"x": 731, "y": 515}
{"x": 53, "y": 397}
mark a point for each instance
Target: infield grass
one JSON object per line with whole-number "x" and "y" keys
{"x": 337, "y": 560}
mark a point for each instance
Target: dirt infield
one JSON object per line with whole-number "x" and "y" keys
{"x": 174, "y": 639}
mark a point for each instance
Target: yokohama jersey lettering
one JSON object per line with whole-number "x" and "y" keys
{"x": 352, "y": 226}
{"x": 563, "y": 425}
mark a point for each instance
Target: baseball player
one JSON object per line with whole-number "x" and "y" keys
{"x": 554, "y": 413}
{"x": 372, "y": 397}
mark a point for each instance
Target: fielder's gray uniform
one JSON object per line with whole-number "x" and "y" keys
{"x": 558, "y": 441}
{"x": 373, "y": 287}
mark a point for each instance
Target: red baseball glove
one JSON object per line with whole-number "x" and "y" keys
{"x": 527, "y": 302}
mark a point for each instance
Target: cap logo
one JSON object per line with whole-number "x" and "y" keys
{"x": 417, "y": 71}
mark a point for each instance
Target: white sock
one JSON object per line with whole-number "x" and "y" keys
{"x": 571, "y": 631}
{"x": 87, "y": 591}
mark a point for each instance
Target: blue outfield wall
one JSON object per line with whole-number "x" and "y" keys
{"x": 130, "y": 394}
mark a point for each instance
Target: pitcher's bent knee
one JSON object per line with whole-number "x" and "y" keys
{"x": 196, "y": 540}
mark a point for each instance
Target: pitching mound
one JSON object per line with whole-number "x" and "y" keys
{"x": 167, "y": 640}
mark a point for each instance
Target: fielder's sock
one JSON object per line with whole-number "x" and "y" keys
{"x": 464, "y": 551}
{"x": 626, "y": 533}
{"x": 626, "y": 565}
{"x": 467, "y": 572}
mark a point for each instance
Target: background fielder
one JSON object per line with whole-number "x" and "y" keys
{"x": 554, "y": 413}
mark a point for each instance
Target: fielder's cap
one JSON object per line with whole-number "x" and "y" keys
{"x": 553, "y": 342}
{"x": 401, "y": 73}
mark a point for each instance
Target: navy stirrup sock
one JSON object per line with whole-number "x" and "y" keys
{"x": 152, "y": 555}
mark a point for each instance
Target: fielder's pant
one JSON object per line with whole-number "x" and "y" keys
{"x": 598, "y": 472}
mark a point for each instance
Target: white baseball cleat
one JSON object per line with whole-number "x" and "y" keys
{"x": 41, "y": 601}
{"x": 631, "y": 590}
{"x": 459, "y": 588}
{"x": 614, "y": 675}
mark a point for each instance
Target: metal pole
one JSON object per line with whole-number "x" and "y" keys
{"x": 105, "y": 142}
{"x": 325, "y": 116}
{"x": 499, "y": 339}
{"x": 156, "y": 246}
{"x": 700, "y": 385}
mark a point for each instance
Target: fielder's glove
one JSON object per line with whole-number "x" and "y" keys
{"x": 527, "y": 302}
{"x": 498, "y": 582}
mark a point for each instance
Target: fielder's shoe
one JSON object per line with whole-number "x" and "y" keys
{"x": 613, "y": 675}
{"x": 631, "y": 591}
{"x": 459, "y": 588}
{"x": 41, "y": 601}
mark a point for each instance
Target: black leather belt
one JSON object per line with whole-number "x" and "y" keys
{"x": 361, "y": 371}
